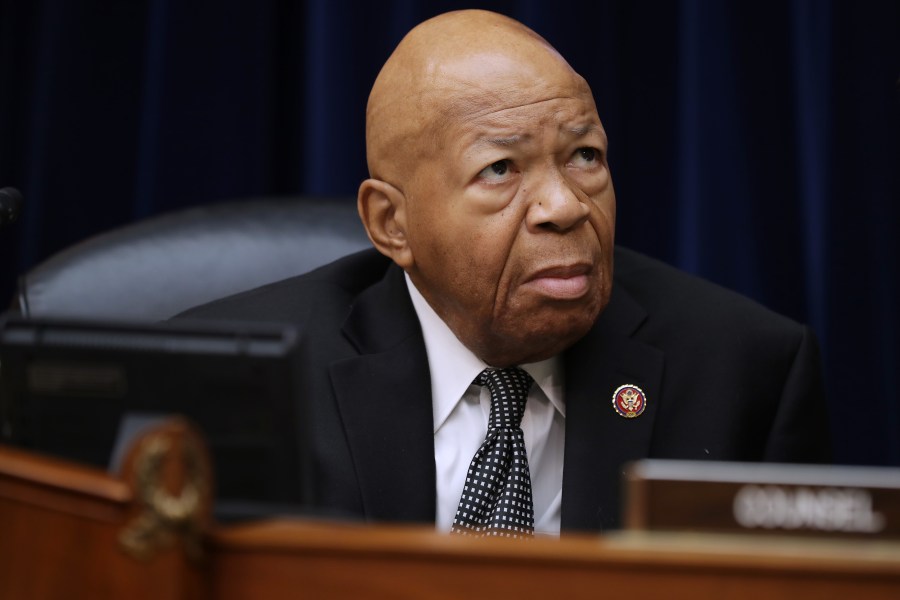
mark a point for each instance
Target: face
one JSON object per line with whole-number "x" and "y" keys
{"x": 510, "y": 219}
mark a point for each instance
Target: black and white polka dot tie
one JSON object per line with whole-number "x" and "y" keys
{"x": 496, "y": 500}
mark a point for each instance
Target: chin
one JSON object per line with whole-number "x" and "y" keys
{"x": 532, "y": 342}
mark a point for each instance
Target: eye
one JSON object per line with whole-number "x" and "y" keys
{"x": 585, "y": 156}
{"x": 496, "y": 172}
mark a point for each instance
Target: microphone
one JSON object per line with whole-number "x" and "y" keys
{"x": 10, "y": 206}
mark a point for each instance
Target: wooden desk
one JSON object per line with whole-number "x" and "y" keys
{"x": 61, "y": 536}
{"x": 61, "y": 526}
{"x": 294, "y": 558}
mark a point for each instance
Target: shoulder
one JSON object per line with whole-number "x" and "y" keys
{"x": 741, "y": 382}
{"x": 332, "y": 288}
{"x": 704, "y": 328}
{"x": 693, "y": 306}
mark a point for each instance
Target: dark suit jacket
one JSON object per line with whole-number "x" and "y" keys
{"x": 725, "y": 379}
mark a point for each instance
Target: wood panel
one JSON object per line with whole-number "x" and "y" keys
{"x": 60, "y": 534}
{"x": 62, "y": 526}
{"x": 307, "y": 560}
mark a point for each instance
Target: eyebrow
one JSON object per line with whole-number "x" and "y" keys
{"x": 506, "y": 141}
{"x": 583, "y": 130}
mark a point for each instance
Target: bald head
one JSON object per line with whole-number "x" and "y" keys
{"x": 454, "y": 66}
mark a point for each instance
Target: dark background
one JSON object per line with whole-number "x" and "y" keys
{"x": 754, "y": 143}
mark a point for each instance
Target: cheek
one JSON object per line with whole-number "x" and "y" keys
{"x": 603, "y": 221}
{"x": 465, "y": 260}
{"x": 484, "y": 252}
{"x": 603, "y": 217}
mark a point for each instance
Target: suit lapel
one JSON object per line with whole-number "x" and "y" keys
{"x": 384, "y": 396}
{"x": 598, "y": 440}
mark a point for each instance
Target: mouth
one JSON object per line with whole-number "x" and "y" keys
{"x": 561, "y": 282}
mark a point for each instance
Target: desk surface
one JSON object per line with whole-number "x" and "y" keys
{"x": 353, "y": 561}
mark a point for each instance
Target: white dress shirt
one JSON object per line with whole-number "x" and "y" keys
{"x": 461, "y": 411}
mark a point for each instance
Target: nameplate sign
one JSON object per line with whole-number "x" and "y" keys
{"x": 718, "y": 497}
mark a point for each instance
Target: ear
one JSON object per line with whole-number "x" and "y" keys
{"x": 382, "y": 208}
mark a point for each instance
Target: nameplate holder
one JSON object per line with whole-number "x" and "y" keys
{"x": 762, "y": 498}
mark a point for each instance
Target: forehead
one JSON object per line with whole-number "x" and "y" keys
{"x": 491, "y": 82}
{"x": 494, "y": 93}
{"x": 519, "y": 120}
{"x": 506, "y": 125}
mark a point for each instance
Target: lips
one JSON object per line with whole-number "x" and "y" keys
{"x": 563, "y": 282}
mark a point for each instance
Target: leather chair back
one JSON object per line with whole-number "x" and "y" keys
{"x": 159, "y": 267}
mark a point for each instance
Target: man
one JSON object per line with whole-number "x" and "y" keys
{"x": 492, "y": 210}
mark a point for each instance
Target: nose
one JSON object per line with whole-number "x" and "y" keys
{"x": 555, "y": 206}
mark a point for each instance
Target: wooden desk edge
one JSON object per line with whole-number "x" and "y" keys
{"x": 299, "y": 537}
{"x": 19, "y": 465}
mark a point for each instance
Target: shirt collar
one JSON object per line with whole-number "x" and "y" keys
{"x": 453, "y": 367}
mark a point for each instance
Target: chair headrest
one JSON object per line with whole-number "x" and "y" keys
{"x": 156, "y": 268}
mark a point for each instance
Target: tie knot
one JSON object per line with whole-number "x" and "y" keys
{"x": 509, "y": 391}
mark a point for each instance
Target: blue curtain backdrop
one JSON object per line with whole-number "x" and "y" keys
{"x": 754, "y": 143}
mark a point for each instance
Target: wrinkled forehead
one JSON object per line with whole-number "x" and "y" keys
{"x": 492, "y": 82}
